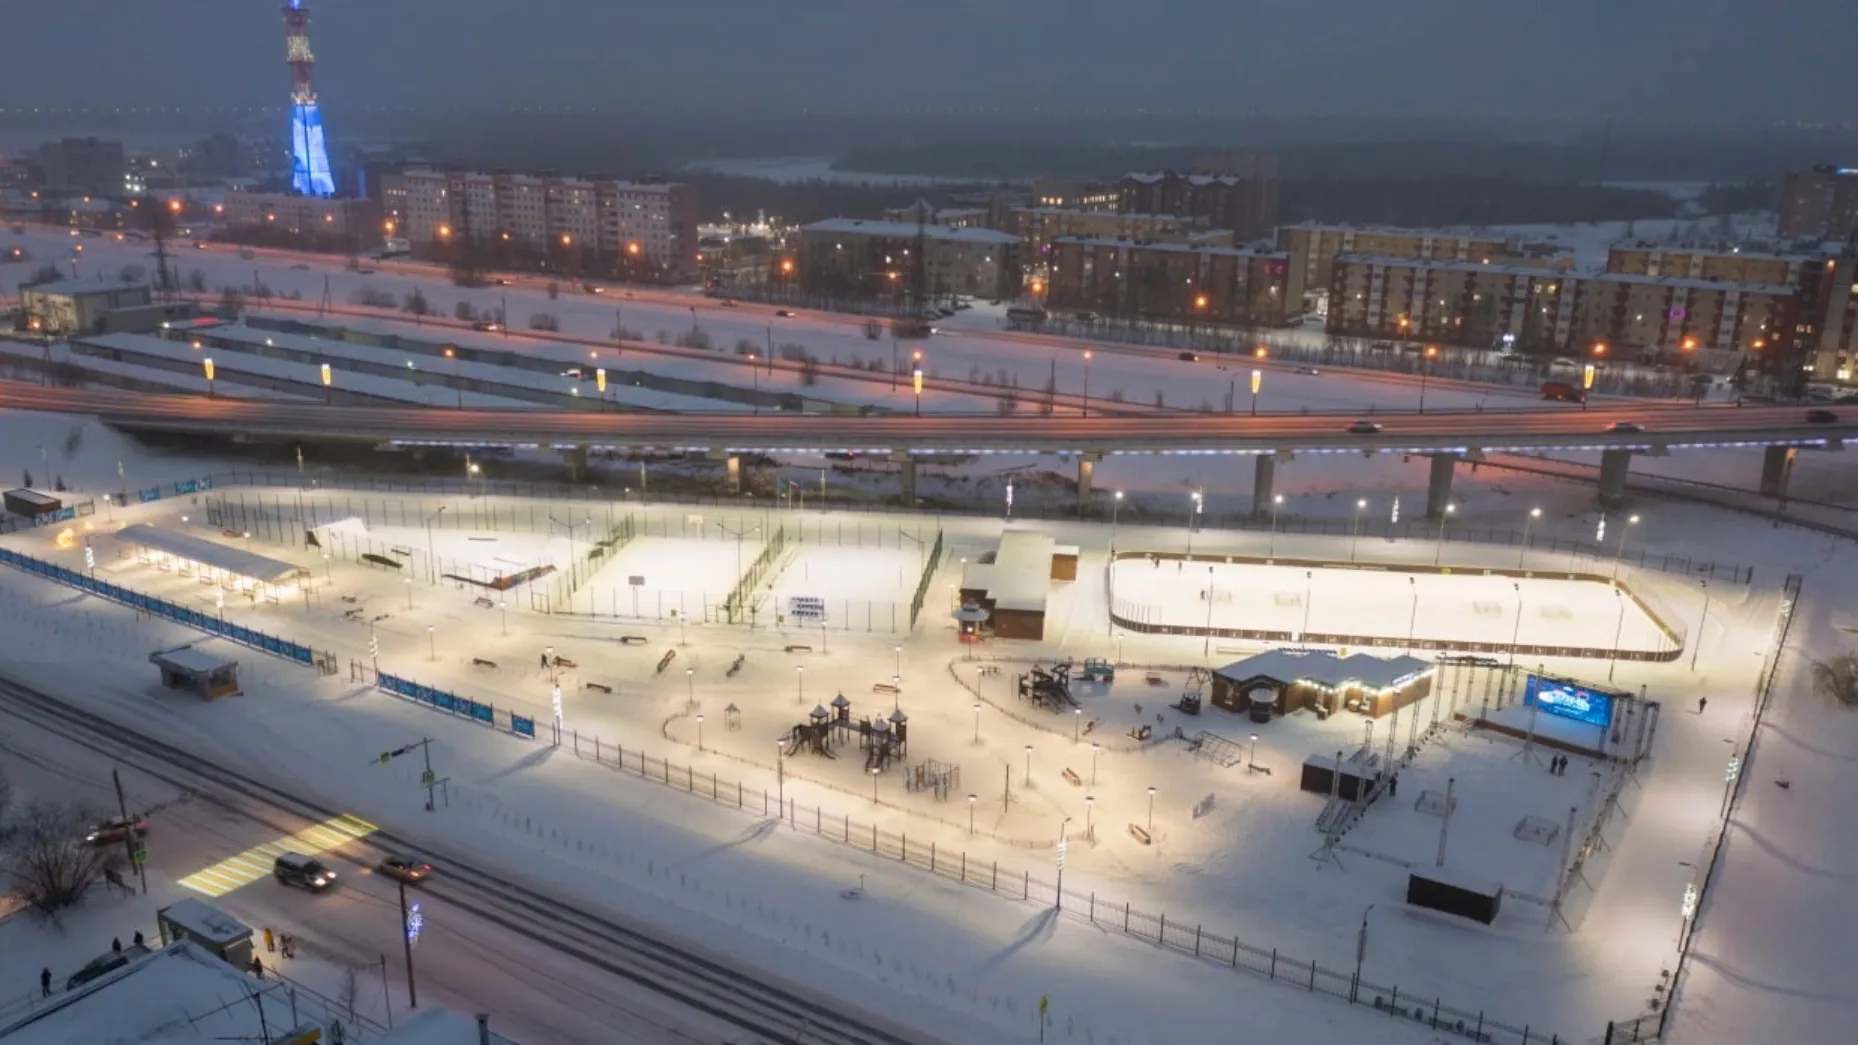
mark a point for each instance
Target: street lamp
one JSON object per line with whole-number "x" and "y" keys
{"x": 1412, "y": 620}
{"x": 432, "y": 558}
{"x": 874, "y": 772}
{"x": 1619, "y": 629}
{"x": 1425, "y": 371}
{"x": 1528, "y": 521}
{"x": 1090, "y": 803}
{"x": 1251, "y": 761}
{"x": 1355, "y": 540}
{"x": 1028, "y": 765}
{"x": 977, "y": 722}
{"x": 1438, "y": 551}
{"x": 1361, "y": 952}
{"x": 690, "y": 686}
{"x": 1620, "y": 554}
{"x": 699, "y": 732}
{"x": 1277, "y": 500}
{"x": 1086, "y": 382}
{"x": 1193, "y": 520}
{"x": 432, "y": 643}
{"x": 971, "y": 798}
{"x": 1151, "y": 810}
{"x": 800, "y": 684}
{"x": 1077, "y": 724}
{"x": 1095, "y": 750}
{"x": 409, "y": 591}
{"x": 780, "y": 774}
{"x": 1116, "y": 507}
{"x": 503, "y": 607}
{"x": 1696, "y": 644}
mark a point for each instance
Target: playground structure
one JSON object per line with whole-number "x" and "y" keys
{"x": 940, "y": 778}
{"x": 1050, "y": 690}
{"x": 1193, "y": 696}
{"x": 1098, "y": 670}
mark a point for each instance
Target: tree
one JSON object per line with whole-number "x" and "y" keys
{"x": 416, "y": 303}
{"x": 58, "y": 484}
{"x": 231, "y": 302}
{"x": 464, "y": 311}
{"x": 554, "y": 290}
{"x": 543, "y": 321}
{"x": 1837, "y": 678}
{"x": 43, "y": 852}
{"x": 28, "y": 481}
{"x": 46, "y": 274}
{"x": 196, "y": 281}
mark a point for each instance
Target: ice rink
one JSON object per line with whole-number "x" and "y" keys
{"x": 1373, "y": 603}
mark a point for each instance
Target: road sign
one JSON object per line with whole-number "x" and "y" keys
{"x": 1734, "y": 770}
{"x": 139, "y": 855}
{"x": 636, "y": 581}
{"x": 428, "y": 778}
{"x": 1045, "y": 1004}
{"x": 1061, "y": 848}
{"x": 374, "y": 647}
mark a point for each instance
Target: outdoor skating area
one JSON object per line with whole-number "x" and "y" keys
{"x": 1430, "y": 608}
{"x": 769, "y": 657}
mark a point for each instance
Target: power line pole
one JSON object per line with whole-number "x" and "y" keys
{"x": 406, "y": 939}
{"x": 130, "y": 843}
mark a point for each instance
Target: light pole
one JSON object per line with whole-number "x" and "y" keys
{"x": 1193, "y": 521}
{"x": 1425, "y": 371}
{"x": 548, "y": 661}
{"x": 503, "y": 607}
{"x": 1355, "y": 540}
{"x": 1618, "y": 630}
{"x": 1206, "y": 645}
{"x": 574, "y": 552}
{"x": 432, "y": 558}
{"x": 699, "y": 732}
{"x": 1696, "y": 644}
{"x": 1028, "y": 765}
{"x": 780, "y": 774}
{"x": 1062, "y": 846}
{"x": 1309, "y": 592}
{"x": 971, "y": 798}
{"x": 1438, "y": 550}
{"x": 800, "y": 685}
{"x": 1528, "y": 521}
{"x": 898, "y": 649}
{"x": 409, "y": 591}
{"x": 977, "y": 722}
{"x": 432, "y": 643}
{"x": 1277, "y": 500}
{"x": 1095, "y": 750}
{"x": 1086, "y": 382}
{"x": 1151, "y": 810}
{"x": 1077, "y": 724}
{"x": 1361, "y": 952}
{"x": 1251, "y": 760}
{"x": 1412, "y": 619}
{"x": 328, "y": 569}
{"x": 1090, "y": 803}
{"x": 690, "y": 687}
{"x": 874, "y": 772}
{"x": 1620, "y": 553}
{"x": 1516, "y": 632}
{"x": 738, "y": 535}
{"x": 1116, "y": 507}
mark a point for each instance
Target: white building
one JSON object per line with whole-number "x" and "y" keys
{"x": 588, "y": 223}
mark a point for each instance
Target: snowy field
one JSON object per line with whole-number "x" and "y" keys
{"x": 1447, "y": 608}
{"x": 677, "y": 577}
{"x": 865, "y": 586}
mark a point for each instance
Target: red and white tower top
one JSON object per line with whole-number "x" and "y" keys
{"x": 297, "y": 54}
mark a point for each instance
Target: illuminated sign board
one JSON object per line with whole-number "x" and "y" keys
{"x": 1568, "y": 700}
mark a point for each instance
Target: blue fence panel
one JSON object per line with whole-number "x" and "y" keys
{"x": 522, "y": 727}
{"x": 484, "y": 713}
{"x": 153, "y": 493}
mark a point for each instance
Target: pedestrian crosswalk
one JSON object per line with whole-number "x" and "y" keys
{"x": 242, "y": 869}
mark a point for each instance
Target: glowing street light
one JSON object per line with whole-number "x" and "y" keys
{"x": 1438, "y": 550}
{"x": 1528, "y": 521}
{"x": 1360, "y": 506}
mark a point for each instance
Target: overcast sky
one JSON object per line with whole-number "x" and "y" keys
{"x": 1735, "y": 60}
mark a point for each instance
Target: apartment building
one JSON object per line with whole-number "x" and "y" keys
{"x": 1825, "y": 348}
{"x": 1038, "y": 227}
{"x": 1313, "y": 248}
{"x": 639, "y": 229}
{"x": 1548, "y": 311}
{"x": 1075, "y": 194}
{"x": 854, "y": 258}
{"x": 1236, "y": 191}
{"x": 1170, "y": 282}
{"x": 1820, "y": 203}
{"x": 1716, "y": 266}
{"x": 947, "y": 217}
{"x": 311, "y": 222}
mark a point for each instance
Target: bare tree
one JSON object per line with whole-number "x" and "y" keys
{"x": 349, "y": 990}
{"x": 1837, "y": 678}
{"x": 464, "y": 311}
{"x": 43, "y": 852}
{"x": 543, "y": 321}
{"x": 416, "y": 303}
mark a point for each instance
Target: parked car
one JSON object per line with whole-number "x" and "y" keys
{"x": 1821, "y": 417}
{"x": 487, "y": 326}
{"x": 1632, "y": 427}
{"x": 591, "y": 289}
{"x": 303, "y": 872}
{"x": 1364, "y": 428}
{"x": 1563, "y": 391}
{"x": 1190, "y": 357}
{"x": 502, "y": 282}
{"x": 1312, "y": 371}
{"x": 116, "y": 830}
{"x": 299, "y": 268}
{"x": 784, "y": 313}
{"x": 409, "y": 869}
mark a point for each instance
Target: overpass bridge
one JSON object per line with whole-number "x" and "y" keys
{"x": 1445, "y": 438}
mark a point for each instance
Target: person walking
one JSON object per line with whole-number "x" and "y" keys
{"x": 1702, "y": 702}
{"x": 139, "y": 941}
{"x": 270, "y": 941}
{"x": 116, "y": 945}
{"x": 45, "y": 983}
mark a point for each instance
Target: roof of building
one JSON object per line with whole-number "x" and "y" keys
{"x": 1325, "y": 668}
{"x": 1020, "y": 577}
{"x": 907, "y": 229}
{"x": 1187, "y": 248}
{"x": 1396, "y": 230}
{"x": 1751, "y": 255}
{"x": 190, "y": 660}
{"x": 1151, "y": 177}
{"x": 1777, "y": 289}
{"x": 85, "y": 285}
{"x": 176, "y": 996}
{"x": 1108, "y": 215}
{"x": 236, "y": 561}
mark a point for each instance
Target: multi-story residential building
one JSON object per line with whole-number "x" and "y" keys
{"x": 1717, "y": 266}
{"x": 1237, "y": 192}
{"x": 1075, "y": 194}
{"x": 1820, "y": 203}
{"x": 1549, "y": 311}
{"x": 86, "y": 165}
{"x": 1313, "y": 248}
{"x": 947, "y": 217}
{"x": 1037, "y": 227}
{"x": 308, "y": 222}
{"x": 1825, "y": 346}
{"x": 1173, "y": 282}
{"x": 852, "y": 258}
{"x": 580, "y": 226}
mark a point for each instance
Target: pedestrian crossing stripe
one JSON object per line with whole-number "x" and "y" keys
{"x": 242, "y": 869}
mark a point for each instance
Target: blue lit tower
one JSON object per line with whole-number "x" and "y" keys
{"x": 309, "y": 157}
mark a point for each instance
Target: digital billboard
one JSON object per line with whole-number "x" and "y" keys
{"x": 1559, "y": 697}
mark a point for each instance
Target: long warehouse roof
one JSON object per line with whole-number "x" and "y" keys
{"x": 236, "y": 561}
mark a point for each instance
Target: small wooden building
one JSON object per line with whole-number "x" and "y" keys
{"x": 31, "y": 503}
{"x": 1013, "y": 583}
{"x": 185, "y": 667}
{"x": 1288, "y": 680}
{"x": 211, "y": 928}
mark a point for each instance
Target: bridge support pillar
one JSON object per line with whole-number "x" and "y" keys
{"x": 1614, "y": 464}
{"x": 1264, "y": 476}
{"x": 1086, "y": 472}
{"x": 1439, "y": 486}
{"x": 1776, "y": 469}
{"x": 576, "y": 460}
{"x": 733, "y": 466}
{"x": 906, "y": 476}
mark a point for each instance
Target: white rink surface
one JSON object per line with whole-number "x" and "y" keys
{"x": 1450, "y": 608}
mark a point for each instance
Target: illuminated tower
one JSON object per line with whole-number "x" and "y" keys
{"x": 309, "y": 158}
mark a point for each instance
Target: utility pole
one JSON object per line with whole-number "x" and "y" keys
{"x": 130, "y": 843}
{"x": 406, "y": 939}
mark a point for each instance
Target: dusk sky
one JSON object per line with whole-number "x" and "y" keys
{"x": 1689, "y": 60}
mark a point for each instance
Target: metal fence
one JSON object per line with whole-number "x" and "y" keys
{"x": 922, "y": 586}
{"x": 1181, "y": 935}
{"x": 1523, "y": 541}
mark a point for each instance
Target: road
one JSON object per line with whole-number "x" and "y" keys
{"x": 639, "y": 987}
{"x": 1668, "y": 428}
